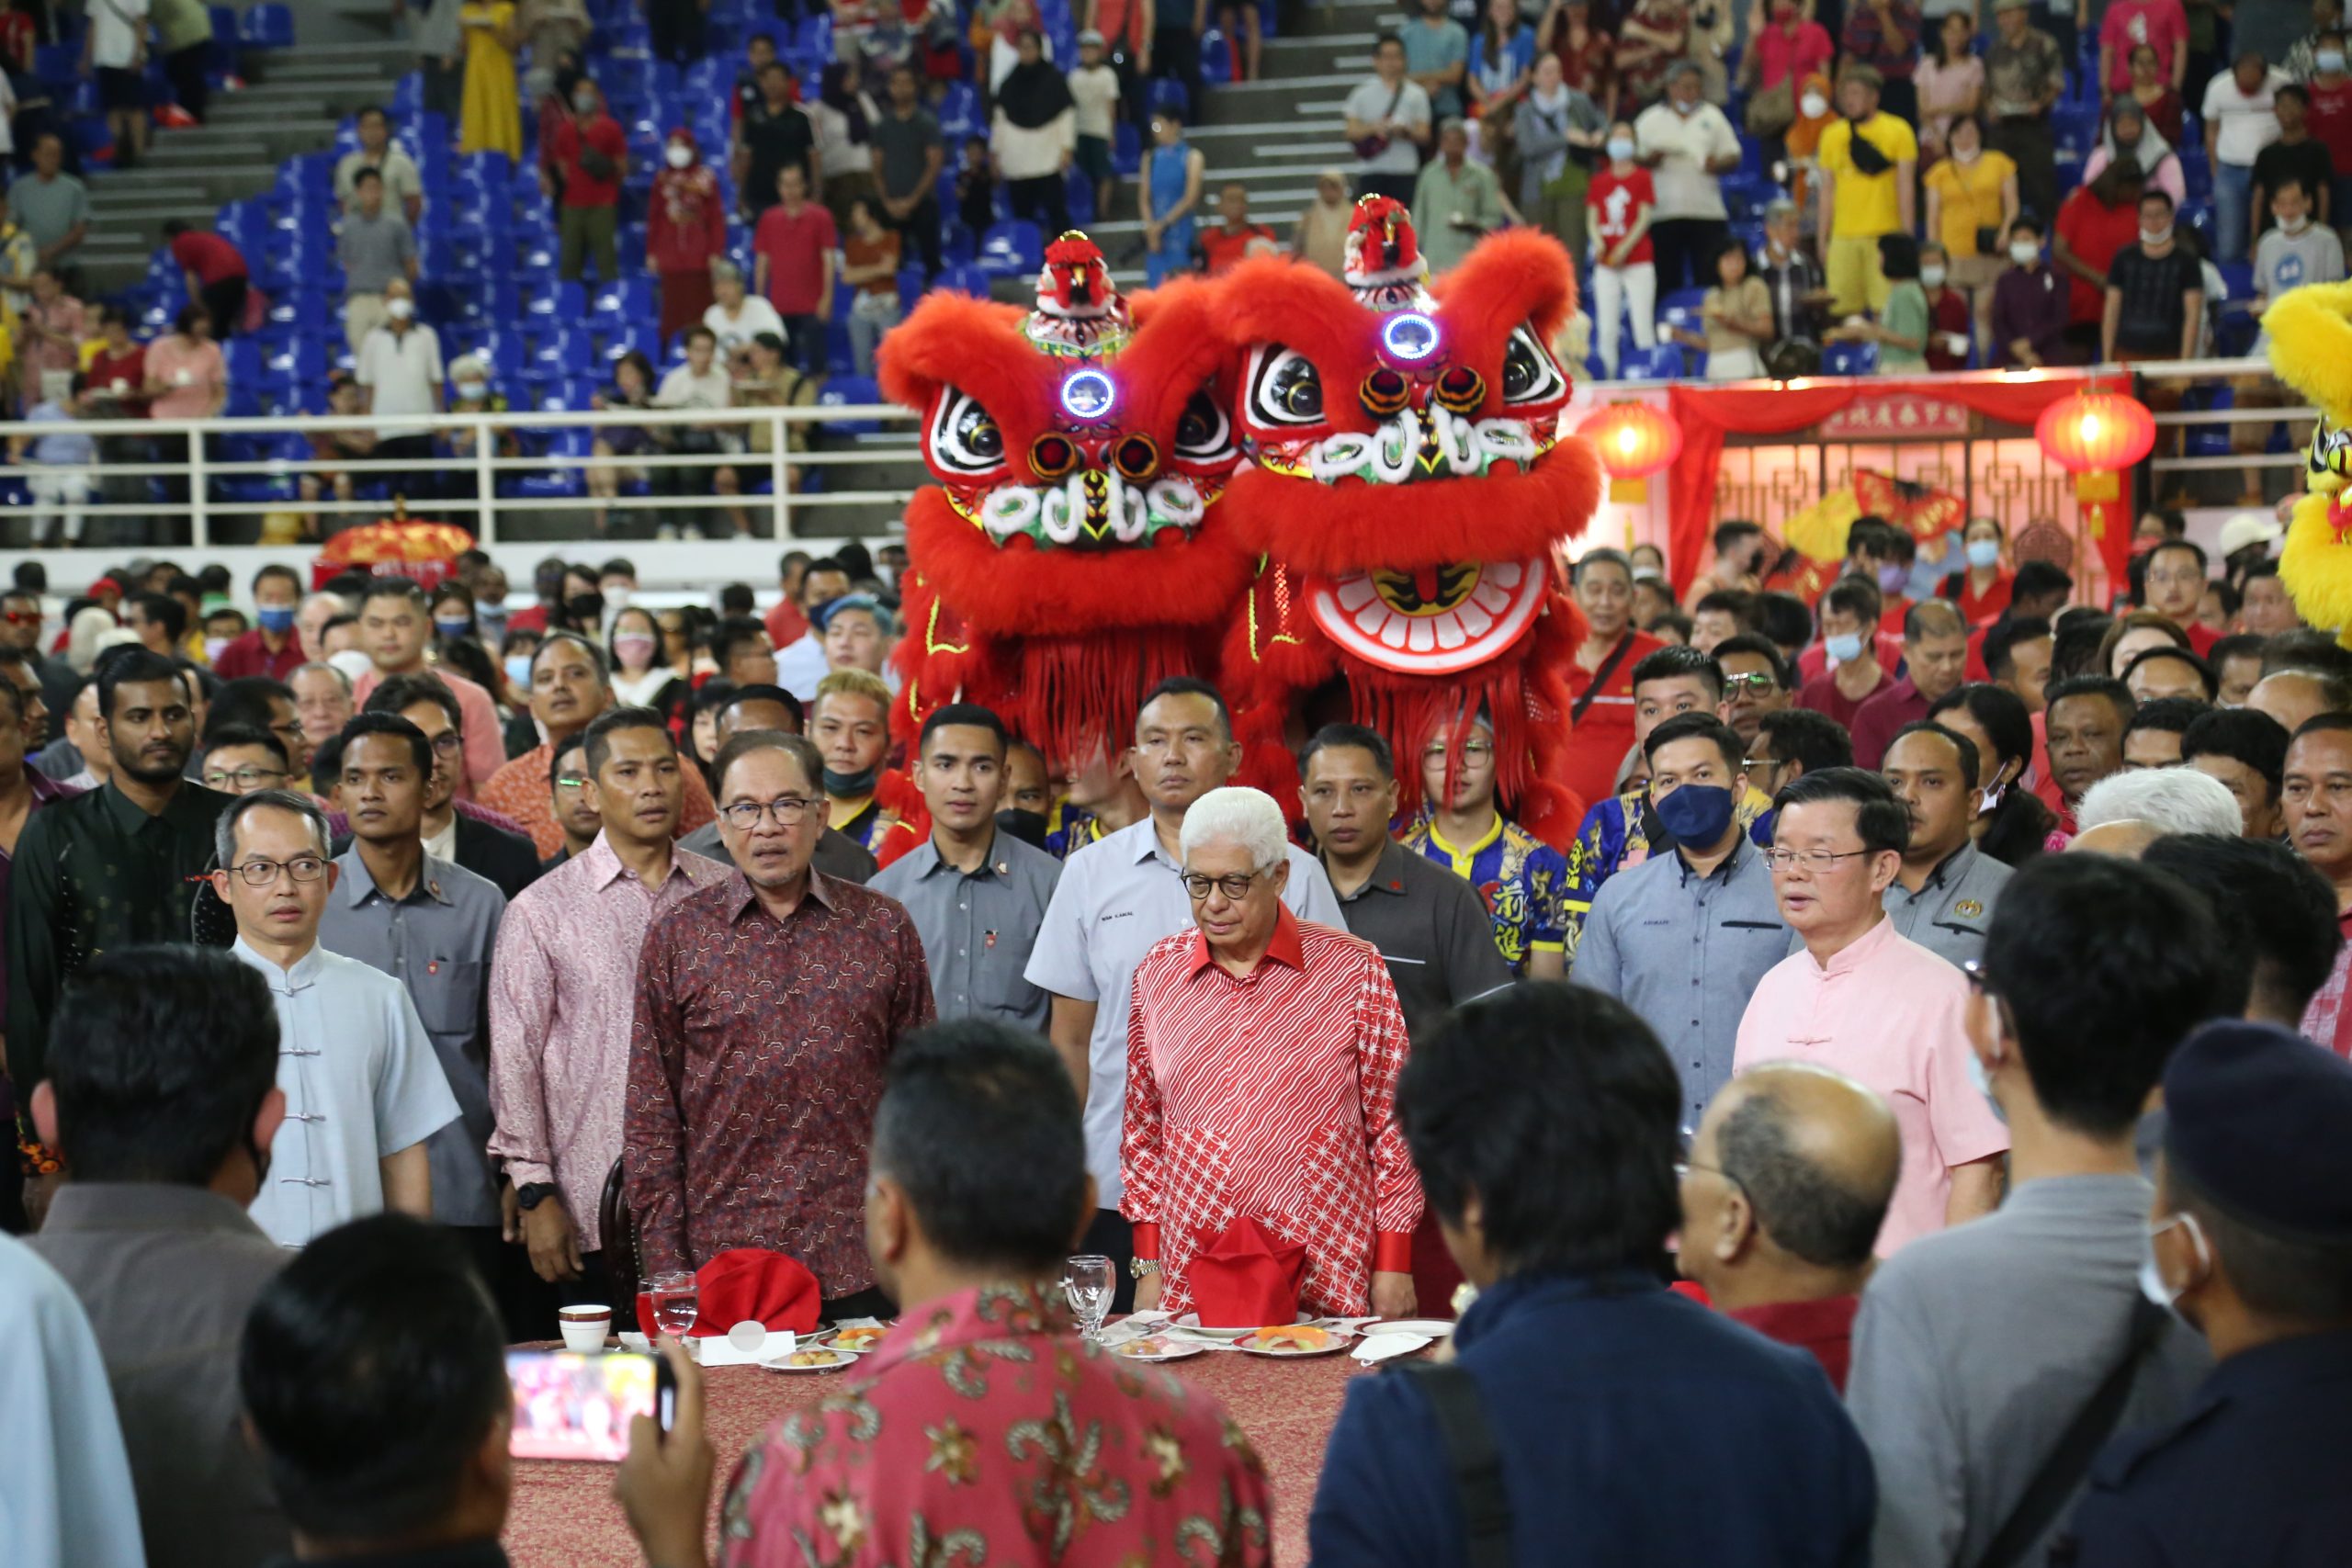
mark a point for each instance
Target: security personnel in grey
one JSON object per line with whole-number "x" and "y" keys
{"x": 1943, "y": 897}
{"x": 977, "y": 896}
{"x": 2252, "y": 1243}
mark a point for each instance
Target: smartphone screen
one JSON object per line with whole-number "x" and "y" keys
{"x": 569, "y": 1405}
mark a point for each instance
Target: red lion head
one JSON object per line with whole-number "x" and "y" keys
{"x": 1073, "y": 553}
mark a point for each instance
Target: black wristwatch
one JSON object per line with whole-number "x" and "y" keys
{"x": 532, "y": 1193}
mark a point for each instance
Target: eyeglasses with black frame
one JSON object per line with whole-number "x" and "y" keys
{"x": 244, "y": 778}
{"x": 262, "y": 873}
{"x": 789, "y": 811}
{"x": 1815, "y": 861}
{"x": 1235, "y": 886}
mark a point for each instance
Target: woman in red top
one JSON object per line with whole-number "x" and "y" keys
{"x": 118, "y": 371}
{"x": 686, "y": 230}
{"x": 1981, "y": 591}
{"x": 2094, "y": 223}
{"x": 1600, "y": 686}
{"x": 1588, "y": 55}
{"x": 1948, "y": 327}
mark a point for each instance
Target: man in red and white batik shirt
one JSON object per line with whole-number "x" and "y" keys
{"x": 1262, "y": 1055}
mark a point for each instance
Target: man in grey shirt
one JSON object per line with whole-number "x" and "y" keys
{"x": 1118, "y": 897}
{"x": 432, "y": 925}
{"x": 375, "y": 247}
{"x": 977, "y": 896}
{"x": 53, "y": 205}
{"x": 163, "y": 1097}
{"x": 434, "y": 28}
{"x": 773, "y": 708}
{"x": 1683, "y": 938}
{"x": 1944, "y": 896}
{"x": 908, "y": 157}
{"x": 1977, "y": 1347}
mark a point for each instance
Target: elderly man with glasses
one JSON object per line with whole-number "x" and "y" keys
{"x": 1262, "y": 1056}
{"x": 768, "y": 1006}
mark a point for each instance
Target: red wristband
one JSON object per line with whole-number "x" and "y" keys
{"x": 1392, "y": 1252}
{"x": 1147, "y": 1242}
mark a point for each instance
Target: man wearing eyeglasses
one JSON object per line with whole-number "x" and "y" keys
{"x": 768, "y": 1006}
{"x": 363, "y": 1090}
{"x": 489, "y": 845}
{"x": 1864, "y": 1000}
{"x": 241, "y": 760}
{"x": 432, "y": 925}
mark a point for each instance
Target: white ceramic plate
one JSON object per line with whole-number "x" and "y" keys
{"x": 866, "y": 1339}
{"x": 1436, "y": 1327}
{"x": 781, "y": 1364}
{"x": 1190, "y": 1323}
{"x": 1152, "y": 1347}
{"x": 1337, "y": 1343}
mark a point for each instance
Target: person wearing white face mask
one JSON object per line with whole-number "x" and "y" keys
{"x": 1619, "y": 206}
{"x": 2295, "y": 253}
{"x": 1972, "y": 200}
{"x": 1686, "y": 145}
{"x": 686, "y": 231}
{"x": 2155, "y": 294}
{"x": 399, "y": 373}
{"x": 2029, "y": 305}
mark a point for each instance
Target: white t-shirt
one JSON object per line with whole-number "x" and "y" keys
{"x": 1095, "y": 90}
{"x": 757, "y": 316}
{"x": 116, "y": 29}
{"x": 1369, "y": 103}
{"x": 402, "y": 371}
{"x": 2248, "y": 124}
{"x": 681, "y": 389}
{"x": 1683, "y": 144}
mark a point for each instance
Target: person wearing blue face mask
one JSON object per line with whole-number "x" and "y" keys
{"x": 274, "y": 647}
{"x": 1980, "y": 588}
{"x": 1683, "y": 938}
{"x": 453, "y": 613}
{"x": 1854, "y": 672}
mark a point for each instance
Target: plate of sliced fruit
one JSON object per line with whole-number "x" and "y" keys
{"x": 1292, "y": 1340}
{"x": 860, "y": 1339}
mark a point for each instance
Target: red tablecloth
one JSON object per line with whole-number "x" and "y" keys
{"x": 564, "y": 1515}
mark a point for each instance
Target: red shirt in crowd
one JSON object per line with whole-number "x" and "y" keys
{"x": 2330, "y": 118}
{"x": 129, "y": 367}
{"x": 794, "y": 244}
{"x": 1614, "y": 200}
{"x": 1947, "y": 318}
{"x": 1603, "y": 732}
{"x": 1979, "y": 610}
{"x": 2093, "y": 231}
{"x": 210, "y": 257}
{"x": 570, "y": 138}
{"x": 686, "y": 219}
{"x": 1824, "y": 1327}
{"x": 1222, "y": 247}
{"x": 251, "y": 655}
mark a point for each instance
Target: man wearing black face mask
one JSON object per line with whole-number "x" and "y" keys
{"x": 1682, "y": 938}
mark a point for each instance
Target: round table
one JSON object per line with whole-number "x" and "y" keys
{"x": 564, "y": 1514}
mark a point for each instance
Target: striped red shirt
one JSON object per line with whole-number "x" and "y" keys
{"x": 1273, "y": 1098}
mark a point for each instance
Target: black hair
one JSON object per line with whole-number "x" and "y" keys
{"x": 160, "y": 1059}
{"x": 1763, "y": 648}
{"x": 737, "y": 598}
{"x": 1672, "y": 663}
{"x": 618, "y": 566}
{"x": 326, "y": 766}
{"x": 2192, "y": 545}
{"x": 473, "y": 660}
{"x": 585, "y": 645}
{"x": 1672, "y": 619}
{"x": 742, "y": 743}
{"x": 2036, "y": 577}
{"x": 406, "y": 588}
{"x": 1782, "y": 619}
{"x": 598, "y": 734}
{"x": 2018, "y": 825}
{"x": 1806, "y": 1210}
{"x": 1933, "y": 617}
{"x": 1855, "y": 597}
{"x": 2228, "y": 592}
{"x": 971, "y": 715}
{"x": 757, "y": 691}
{"x": 1733, "y": 531}
{"x": 1354, "y": 737}
{"x": 391, "y": 724}
{"x": 245, "y": 701}
{"x": 2244, "y": 735}
{"x": 2171, "y": 715}
{"x": 2002, "y": 639}
{"x": 1384, "y": 38}
{"x": 1189, "y": 686}
{"x": 1961, "y": 746}
{"x": 366, "y": 172}
{"x": 1738, "y": 604}
{"x": 372, "y": 1370}
{"x": 2117, "y": 695}
{"x": 2270, "y": 902}
{"x": 165, "y": 612}
{"x": 565, "y": 748}
{"x": 979, "y": 1125}
{"x": 334, "y": 623}
{"x": 220, "y": 737}
{"x": 2100, "y": 965}
{"x": 2157, "y": 193}
{"x": 2313, "y": 651}
{"x": 2292, "y": 90}
{"x": 1898, "y": 256}
{"x": 730, "y": 631}
{"x": 128, "y": 664}
{"x": 2238, "y": 645}
{"x": 2074, "y": 647}
{"x": 1801, "y": 735}
{"x": 1697, "y": 727}
{"x": 398, "y": 694}
{"x": 273, "y": 570}
{"x": 1883, "y": 821}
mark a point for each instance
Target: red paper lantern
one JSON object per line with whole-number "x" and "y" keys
{"x": 2096, "y": 432}
{"x": 1633, "y": 440}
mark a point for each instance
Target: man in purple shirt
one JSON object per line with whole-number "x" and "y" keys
{"x": 1935, "y": 650}
{"x": 2029, "y": 305}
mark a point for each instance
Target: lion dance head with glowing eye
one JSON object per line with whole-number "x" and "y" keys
{"x": 1405, "y": 486}
{"x": 2311, "y": 348}
{"x": 1073, "y": 554}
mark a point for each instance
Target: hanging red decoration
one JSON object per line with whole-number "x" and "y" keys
{"x": 1633, "y": 440}
{"x": 2096, "y": 432}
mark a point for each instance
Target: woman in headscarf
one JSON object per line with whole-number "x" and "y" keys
{"x": 1034, "y": 136}
{"x": 686, "y": 230}
{"x": 2130, "y": 135}
{"x": 841, "y": 117}
{"x": 1321, "y": 239}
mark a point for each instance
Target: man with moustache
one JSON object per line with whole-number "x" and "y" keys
{"x": 773, "y": 708}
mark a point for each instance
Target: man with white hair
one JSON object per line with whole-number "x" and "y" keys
{"x": 2122, "y": 813}
{"x": 1262, "y": 1056}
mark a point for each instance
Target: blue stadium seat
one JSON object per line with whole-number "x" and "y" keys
{"x": 1849, "y": 359}
{"x": 848, "y": 391}
{"x": 1014, "y": 248}
{"x": 964, "y": 279}
{"x": 1663, "y": 363}
{"x": 267, "y": 25}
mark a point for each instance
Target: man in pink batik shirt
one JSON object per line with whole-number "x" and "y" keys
{"x": 563, "y": 998}
{"x": 1872, "y": 1004}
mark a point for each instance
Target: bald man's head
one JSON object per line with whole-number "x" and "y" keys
{"x": 2294, "y": 697}
{"x": 2123, "y": 839}
{"x": 1791, "y": 1175}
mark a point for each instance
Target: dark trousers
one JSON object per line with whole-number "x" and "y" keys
{"x": 1898, "y": 97}
{"x": 185, "y": 69}
{"x": 445, "y": 89}
{"x": 417, "y": 484}
{"x": 918, "y": 233}
{"x": 2028, "y": 143}
{"x": 1685, "y": 250}
{"x": 1110, "y": 1235}
{"x": 593, "y": 1288}
{"x": 805, "y": 340}
{"x": 225, "y": 301}
{"x": 1044, "y": 201}
{"x": 676, "y": 29}
{"x": 1176, "y": 53}
{"x": 526, "y": 1303}
{"x": 582, "y": 231}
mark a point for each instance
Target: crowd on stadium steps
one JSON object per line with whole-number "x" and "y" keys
{"x": 352, "y": 949}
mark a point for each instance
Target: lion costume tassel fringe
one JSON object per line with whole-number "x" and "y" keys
{"x": 2310, "y": 350}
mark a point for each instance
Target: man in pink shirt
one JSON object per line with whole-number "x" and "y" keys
{"x": 395, "y": 627}
{"x": 796, "y": 251}
{"x": 1869, "y": 1003}
{"x": 2162, "y": 25}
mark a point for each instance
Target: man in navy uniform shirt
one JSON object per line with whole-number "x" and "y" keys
{"x": 2252, "y": 1243}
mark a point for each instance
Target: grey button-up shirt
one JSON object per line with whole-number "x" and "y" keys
{"x": 1953, "y": 908}
{"x": 978, "y": 927}
{"x": 1686, "y": 953}
{"x": 1118, "y": 897}
{"x": 437, "y": 943}
{"x": 1432, "y": 928}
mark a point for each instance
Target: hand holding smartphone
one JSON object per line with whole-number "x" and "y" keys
{"x": 569, "y": 1405}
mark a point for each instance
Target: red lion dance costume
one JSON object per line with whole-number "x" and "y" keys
{"x": 1075, "y": 553}
{"x": 1406, "y": 489}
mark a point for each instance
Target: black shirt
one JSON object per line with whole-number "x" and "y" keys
{"x": 2152, "y": 318}
{"x": 2307, "y": 161}
{"x": 774, "y": 139}
{"x": 1432, "y": 928}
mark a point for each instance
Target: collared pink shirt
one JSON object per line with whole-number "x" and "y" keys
{"x": 563, "y": 1002}
{"x": 485, "y": 735}
{"x": 1887, "y": 1013}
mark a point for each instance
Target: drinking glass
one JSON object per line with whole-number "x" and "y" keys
{"x": 677, "y": 1301}
{"x": 1088, "y": 1286}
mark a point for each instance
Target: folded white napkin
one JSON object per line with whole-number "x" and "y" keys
{"x": 747, "y": 1343}
{"x": 1385, "y": 1347}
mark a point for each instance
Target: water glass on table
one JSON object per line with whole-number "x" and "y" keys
{"x": 677, "y": 1301}
{"x": 1089, "y": 1287}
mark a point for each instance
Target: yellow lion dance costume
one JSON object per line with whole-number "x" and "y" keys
{"x": 2310, "y": 350}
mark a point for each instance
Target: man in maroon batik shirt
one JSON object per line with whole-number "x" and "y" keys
{"x": 1789, "y": 1180}
{"x": 767, "y": 1008}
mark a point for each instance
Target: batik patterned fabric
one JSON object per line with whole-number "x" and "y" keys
{"x": 1522, "y": 880}
{"x": 1273, "y": 1097}
{"x": 982, "y": 1430}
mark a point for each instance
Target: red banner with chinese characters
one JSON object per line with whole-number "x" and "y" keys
{"x": 1895, "y": 416}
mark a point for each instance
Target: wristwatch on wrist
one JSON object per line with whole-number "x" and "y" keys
{"x": 532, "y": 1193}
{"x": 1139, "y": 1268}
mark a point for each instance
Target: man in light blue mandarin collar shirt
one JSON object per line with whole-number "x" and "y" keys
{"x": 1118, "y": 897}
{"x": 363, "y": 1090}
